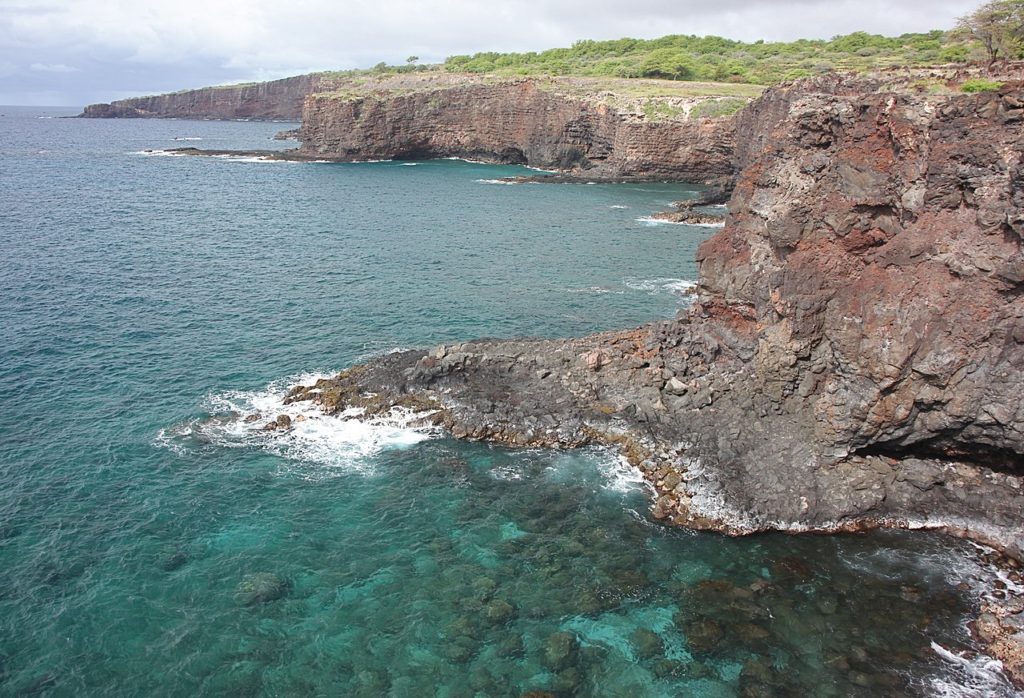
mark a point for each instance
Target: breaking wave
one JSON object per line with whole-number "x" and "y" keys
{"x": 238, "y": 419}
{"x": 679, "y": 287}
{"x": 970, "y": 677}
{"x": 652, "y": 221}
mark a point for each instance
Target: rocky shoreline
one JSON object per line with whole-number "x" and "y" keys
{"x": 855, "y": 353}
{"x": 854, "y": 357}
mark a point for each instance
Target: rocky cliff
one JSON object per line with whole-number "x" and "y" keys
{"x": 275, "y": 100}
{"x": 855, "y": 356}
{"x": 564, "y": 124}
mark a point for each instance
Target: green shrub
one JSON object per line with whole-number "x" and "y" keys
{"x": 717, "y": 107}
{"x": 980, "y": 85}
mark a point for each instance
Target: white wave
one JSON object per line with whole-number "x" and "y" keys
{"x": 619, "y": 207}
{"x": 680, "y": 287}
{"x": 508, "y": 473}
{"x": 408, "y": 164}
{"x": 186, "y": 138}
{"x": 597, "y": 290}
{"x": 368, "y": 162}
{"x": 540, "y": 169}
{"x": 375, "y": 353}
{"x": 620, "y": 476}
{"x": 494, "y": 181}
{"x": 344, "y": 441}
{"x": 975, "y": 676}
{"x": 253, "y": 158}
{"x": 652, "y": 221}
{"x": 471, "y": 162}
{"x": 970, "y": 677}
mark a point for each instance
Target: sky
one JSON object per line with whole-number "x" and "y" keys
{"x": 75, "y": 52}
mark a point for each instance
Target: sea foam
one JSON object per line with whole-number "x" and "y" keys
{"x": 652, "y": 221}
{"x": 345, "y": 441}
{"x": 969, "y": 677}
{"x": 679, "y": 287}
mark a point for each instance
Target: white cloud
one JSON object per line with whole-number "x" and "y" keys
{"x": 154, "y": 45}
{"x": 52, "y": 68}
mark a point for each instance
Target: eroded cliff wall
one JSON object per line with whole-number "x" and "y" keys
{"x": 276, "y": 100}
{"x": 855, "y": 356}
{"x": 876, "y": 240}
{"x": 517, "y": 121}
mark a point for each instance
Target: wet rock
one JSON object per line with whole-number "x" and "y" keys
{"x": 751, "y": 633}
{"x": 696, "y": 670}
{"x": 499, "y": 611}
{"x": 859, "y": 678}
{"x": 647, "y": 643}
{"x": 671, "y": 480}
{"x": 688, "y": 217}
{"x": 703, "y": 635}
{"x": 460, "y": 650}
{"x": 560, "y": 650}
{"x": 792, "y": 568}
{"x": 261, "y": 587}
{"x": 910, "y": 594}
{"x": 483, "y": 587}
{"x": 629, "y": 581}
{"x": 283, "y": 422}
{"x": 568, "y": 680}
{"x": 511, "y": 646}
{"x": 464, "y": 626}
{"x": 250, "y": 418}
{"x": 370, "y": 683}
{"x": 174, "y": 561}
{"x": 828, "y": 606}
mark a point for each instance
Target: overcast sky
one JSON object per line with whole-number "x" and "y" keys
{"x": 73, "y": 52}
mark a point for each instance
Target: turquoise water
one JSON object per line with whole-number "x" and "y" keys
{"x": 146, "y": 548}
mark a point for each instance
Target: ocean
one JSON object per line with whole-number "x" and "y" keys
{"x": 152, "y": 544}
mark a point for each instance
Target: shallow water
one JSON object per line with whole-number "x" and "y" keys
{"x": 148, "y": 544}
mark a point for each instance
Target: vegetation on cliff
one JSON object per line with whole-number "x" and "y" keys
{"x": 714, "y": 58}
{"x": 997, "y": 26}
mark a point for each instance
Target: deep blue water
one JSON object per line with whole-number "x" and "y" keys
{"x": 145, "y": 549}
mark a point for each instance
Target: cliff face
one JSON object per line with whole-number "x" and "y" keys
{"x": 274, "y": 100}
{"x": 519, "y": 122}
{"x": 856, "y": 353}
{"x": 875, "y": 242}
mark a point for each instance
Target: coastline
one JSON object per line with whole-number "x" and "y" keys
{"x": 849, "y": 362}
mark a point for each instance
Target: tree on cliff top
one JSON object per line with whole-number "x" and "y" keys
{"x": 999, "y": 26}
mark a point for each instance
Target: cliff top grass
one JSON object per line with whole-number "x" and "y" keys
{"x": 654, "y": 100}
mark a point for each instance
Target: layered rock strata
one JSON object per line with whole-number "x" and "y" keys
{"x": 529, "y": 122}
{"x": 276, "y": 100}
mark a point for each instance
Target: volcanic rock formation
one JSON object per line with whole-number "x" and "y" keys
{"x": 277, "y": 100}
{"x": 855, "y": 355}
{"x": 565, "y": 124}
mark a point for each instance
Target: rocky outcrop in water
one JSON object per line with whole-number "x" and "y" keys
{"x": 856, "y": 351}
{"x": 855, "y": 354}
{"x": 276, "y": 100}
{"x": 565, "y": 124}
